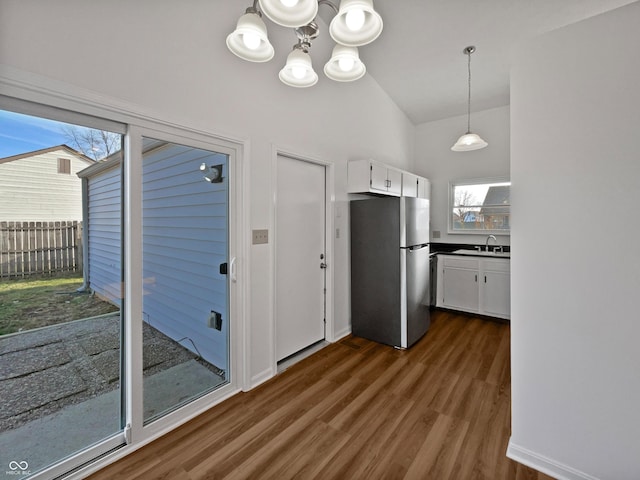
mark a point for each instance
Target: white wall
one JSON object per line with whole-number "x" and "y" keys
{"x": 436, "y": 161}
{"x": 170, "y": 57}
{"x": 575, "y": 169}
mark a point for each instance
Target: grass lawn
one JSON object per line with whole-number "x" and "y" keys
{"x": 32, "y": 303}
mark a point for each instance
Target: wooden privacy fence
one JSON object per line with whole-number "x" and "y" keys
{"x": 40, "y": 248}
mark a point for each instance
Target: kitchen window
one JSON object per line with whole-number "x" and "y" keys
{"x": 480, "y": 206}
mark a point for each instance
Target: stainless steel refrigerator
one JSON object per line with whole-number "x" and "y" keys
{"x": 390, "y": 272}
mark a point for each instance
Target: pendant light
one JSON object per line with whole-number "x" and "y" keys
{"x": 249, "y": 40}
{"x": 356, "y": 23}
{"x": 469, "y": 141}
{"x": 344, "y": 65}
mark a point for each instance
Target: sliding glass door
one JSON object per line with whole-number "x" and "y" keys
{"x": 185, "y": 288}
{"x": 115, "y": 283}
{"x": 60, "y": 295}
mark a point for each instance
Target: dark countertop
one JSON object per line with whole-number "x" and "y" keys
{"x": 470, "y": 250}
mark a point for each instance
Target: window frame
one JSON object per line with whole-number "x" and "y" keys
{"x": 451, "y": 205}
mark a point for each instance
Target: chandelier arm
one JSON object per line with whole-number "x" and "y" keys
{"x": 330, "y": 4}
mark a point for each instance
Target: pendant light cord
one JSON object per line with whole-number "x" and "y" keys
{"x": 469, "y": 93}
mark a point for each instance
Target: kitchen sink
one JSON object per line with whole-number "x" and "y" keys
{"x": 483, "y": 253}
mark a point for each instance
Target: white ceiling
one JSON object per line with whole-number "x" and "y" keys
{"x": 418, "y": 58}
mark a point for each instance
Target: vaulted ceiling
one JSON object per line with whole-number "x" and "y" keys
{"x": 418, "y": 58}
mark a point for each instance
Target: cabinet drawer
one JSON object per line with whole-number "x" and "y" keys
{"x": 496, "y": 265}
{"x": 459, "y": 262}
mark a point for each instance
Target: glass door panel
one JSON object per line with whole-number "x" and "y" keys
{"x": 185, "y": 288}
{"x": 60, "y": 291}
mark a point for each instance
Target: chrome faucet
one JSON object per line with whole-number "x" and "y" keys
{"x": 486, "y": 244}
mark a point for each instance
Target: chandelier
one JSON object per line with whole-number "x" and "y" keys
{"x": 355, "y": 24}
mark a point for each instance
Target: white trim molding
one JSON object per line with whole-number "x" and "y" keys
{"x": 544, "y": 464}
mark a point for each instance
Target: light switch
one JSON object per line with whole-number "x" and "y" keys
{"x": 260, "y": 236}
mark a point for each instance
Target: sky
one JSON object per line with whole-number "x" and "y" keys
{"x": 24, "y": 133}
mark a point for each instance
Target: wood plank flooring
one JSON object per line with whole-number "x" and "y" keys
{"x": 358, "y": 410}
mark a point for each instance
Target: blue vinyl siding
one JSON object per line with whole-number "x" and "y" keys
{"x": 104, "y": 235}
{"x": 185, "y": 224}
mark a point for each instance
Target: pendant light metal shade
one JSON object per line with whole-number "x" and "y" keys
{"x": 344, "y": 65}
{"x": 290, "y": 13}
{"x": 356, "y": 24}
{"x": 469, "y": 141}
{"x": 298, "y": 71}
{"x": 249, "y": 40}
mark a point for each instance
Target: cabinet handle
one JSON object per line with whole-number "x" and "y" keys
{"x": 485, "y": 279}
{"x": 476, "y": 278}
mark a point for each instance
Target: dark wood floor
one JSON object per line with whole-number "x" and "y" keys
{"x": 358, "y": 410}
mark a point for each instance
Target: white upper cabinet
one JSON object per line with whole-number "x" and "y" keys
{"x": 409, "y": 185}
{"x": 424, "y": 188}
{"x": 369, "y": 176}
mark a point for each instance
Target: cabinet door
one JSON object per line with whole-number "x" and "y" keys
{"x": 409, "y": 185}
{"x": 460, "y": 289}
{"x": 378, "y": 177}
{"x": 395, "y": 181}
{"x": 424, "y": 188}
{"x": 496, "y": 294}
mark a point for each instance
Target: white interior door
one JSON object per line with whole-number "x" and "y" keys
{"x": 300, "y": 250}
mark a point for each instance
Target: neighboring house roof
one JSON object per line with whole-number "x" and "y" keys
{"x": 111, "y": 161}
{"x": 496, "y": 196}
{"x": 114, "y": 159}
{"x": 47, "y": 150}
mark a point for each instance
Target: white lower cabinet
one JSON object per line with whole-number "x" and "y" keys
{"x": 459, "y": 281}
{"x": 474, "y": 284}
{"x": 496, "y": 287}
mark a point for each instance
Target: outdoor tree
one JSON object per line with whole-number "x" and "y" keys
{"x": 93, "y": 143}
{"x": 464, "y": 202}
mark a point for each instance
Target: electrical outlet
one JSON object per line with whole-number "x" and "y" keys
{"x": 260, "y": 236}
{"x": 436, "y": 234}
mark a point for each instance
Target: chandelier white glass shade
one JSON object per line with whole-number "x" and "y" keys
{"x": 356, "y": 23}
{"x": 344, "y": 65}
{"x": 290, "y": 13}
{"x": 469, "y": 141}
{"x": 249, "y": 40}
{"x": 298, "y": 71}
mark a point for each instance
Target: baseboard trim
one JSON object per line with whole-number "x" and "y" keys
{"x": 341, "y": 334}
{"x": 544, "y": 464}
{"x": 261, "y": 377}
